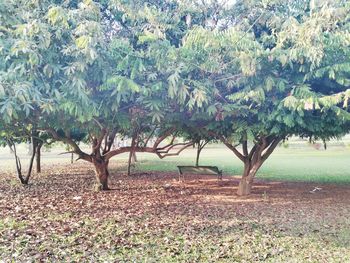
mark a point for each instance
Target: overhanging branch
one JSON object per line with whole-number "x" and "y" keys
{"x": 176, "y": 153}
{"x": 271, "y": 148}
{"x": 69, "y": 141}
{"x": 232, "y": 148}
{"x": 161, "y": 152}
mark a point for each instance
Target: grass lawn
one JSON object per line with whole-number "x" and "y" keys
{"x": 287, "y": 164}
{"x": 298, "y": 162}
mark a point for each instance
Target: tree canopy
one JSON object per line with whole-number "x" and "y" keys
{"x": 248, "y": 73}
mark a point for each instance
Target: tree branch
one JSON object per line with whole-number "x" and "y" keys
{"x": 232, "y": 148}
{"x": 271, "y": 148}
{"x": 98, "y": 123}
{"x": 171, "y": 146}
{"x": 176, "y": 153}
{"x": 252, "y": 151}
{"x": 109, "y": 141}
{"x": 202, "y": 145}
{"x": 245, "y": 147}
{"x": 160, "y": 152}
{"x": 73, "y": 144}
{"x": 163, "y": 137}
{"x": 97, "y": 142}
{"x": 166, "y": 146}
{"x": 149, "y": 137}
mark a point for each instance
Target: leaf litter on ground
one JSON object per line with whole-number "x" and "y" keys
{"x": 151, "y": 217}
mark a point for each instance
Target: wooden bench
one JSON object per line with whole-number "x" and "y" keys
{"x": 204, "y": 170}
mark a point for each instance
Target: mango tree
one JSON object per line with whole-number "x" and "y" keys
{"x": 258, "y": 83}
{"x": 94, "y": 68}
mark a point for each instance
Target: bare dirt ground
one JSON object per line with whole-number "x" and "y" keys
{"x": 151, "y": 217}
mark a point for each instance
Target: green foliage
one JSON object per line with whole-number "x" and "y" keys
{"x": 281, "y": 89}
{"x": 246, "y": 70}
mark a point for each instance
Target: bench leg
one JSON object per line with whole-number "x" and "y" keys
{"x": 220, "y": 176}
{"x": 180, "y": 175}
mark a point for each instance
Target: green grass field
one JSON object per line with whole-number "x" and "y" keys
{"x": 297, "y": 162}
{"x": 287, "y": 164}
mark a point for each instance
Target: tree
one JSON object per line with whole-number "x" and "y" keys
{"x": 90, "y": 64}
{"x": 258, "y": 91}
{"x": 190, "y": 132}
{"x": 144, "y": 68}
{"x": 12, "y": 134}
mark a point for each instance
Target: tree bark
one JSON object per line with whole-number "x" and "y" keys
{"x": 252, "y": 159}
{"x": 200, "y": 147}
{"x": 244, "y": 187}
{"x": 24, "y": 179}
{"x": 134, "y": 158}
{"x": 102, "y": 174}
{"x": 38, "y": 157}
{"x": 198, "y": 154}
{"x": 132, "y": 152}
{"x": 29, "y": 172}
{"x": 249, "y": 172}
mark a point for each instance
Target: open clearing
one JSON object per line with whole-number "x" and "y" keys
{"x": 150, "y": 217}
{"x": 299, "y": 162}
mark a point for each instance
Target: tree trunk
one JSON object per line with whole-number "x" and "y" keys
{"x": 198, "y": 154}
{"x": 102, "y": 174}
{"x": 35, "y": 144}
{"x": 252, "y": 159}
{"x": 30, "y": 168}
{"x": 132, "y": 152}
{"x": 72, "y": 158}
{"x": 244, "y": 187}
{"x": 25, "y": 179}
{"x": 129, "y": 164}
{"x": 245, "y": 184}
{"x": 134, "y": 158}
{"x": 31, "y": 162}
{"x": 38, "y": 157}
